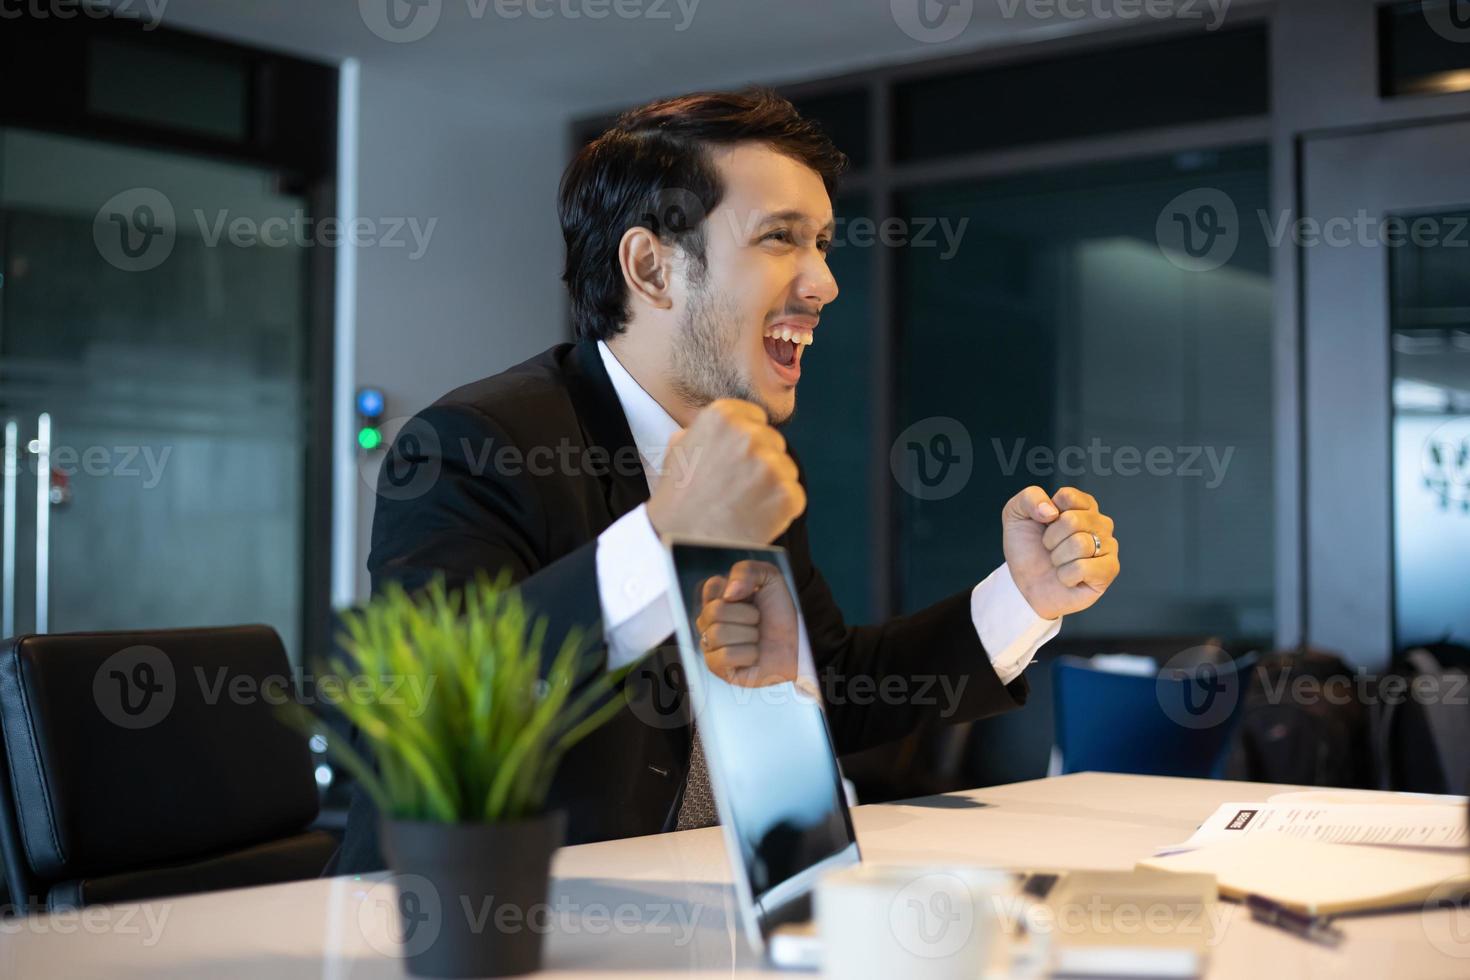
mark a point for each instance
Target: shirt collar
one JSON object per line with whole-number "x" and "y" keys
{"x": 652, "y": 427}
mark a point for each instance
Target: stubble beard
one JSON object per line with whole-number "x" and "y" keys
{"x": 705, "y": 360}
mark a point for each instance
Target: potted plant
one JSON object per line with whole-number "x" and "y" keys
{"x": 465, "y": 724}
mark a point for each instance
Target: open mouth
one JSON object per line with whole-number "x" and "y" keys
{"x": 784, "y": 346}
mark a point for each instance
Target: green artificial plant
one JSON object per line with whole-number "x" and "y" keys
{"x": 446, "y": 690}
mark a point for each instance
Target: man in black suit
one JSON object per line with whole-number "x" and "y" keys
{"x": 696, "y": 232}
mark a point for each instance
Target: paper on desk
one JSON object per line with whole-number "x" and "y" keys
{"x": 1372, "y": 796}
{"x": 1432, "y": 826}
{"x": 1319, "y": 878}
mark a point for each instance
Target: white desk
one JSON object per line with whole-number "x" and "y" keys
{"x": 652, "y": 888}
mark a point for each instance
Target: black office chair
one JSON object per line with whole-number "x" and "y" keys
{"x": 143, "y": 764}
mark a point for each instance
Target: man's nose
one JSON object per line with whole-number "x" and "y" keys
{"x": 818, "y": 285}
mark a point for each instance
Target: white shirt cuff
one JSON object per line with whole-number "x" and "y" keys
{"x": 1009, "y": 628}
{"x": 632, "y": 586}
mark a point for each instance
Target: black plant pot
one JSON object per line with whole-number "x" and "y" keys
{"x": 472, "y": 897}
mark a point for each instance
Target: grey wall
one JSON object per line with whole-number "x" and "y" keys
{"x": 486, "y": 292}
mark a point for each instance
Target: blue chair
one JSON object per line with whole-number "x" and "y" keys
{"x": 1176, "y": 721}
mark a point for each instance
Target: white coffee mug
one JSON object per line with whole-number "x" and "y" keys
{"x": 925, "y": 923}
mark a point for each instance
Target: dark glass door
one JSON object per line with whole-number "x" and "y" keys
{"x": 154, "y": 360}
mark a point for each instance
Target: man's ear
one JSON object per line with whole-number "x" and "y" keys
{"x": 646, "y": 266}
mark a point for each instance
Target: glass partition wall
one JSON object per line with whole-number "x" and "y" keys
{"x": 155, "y": 374}
{"x": 1070, "y": 348}
{"x": 1429, "y": 320}
{"x": 165, "y": 333}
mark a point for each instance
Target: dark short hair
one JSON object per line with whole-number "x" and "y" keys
{"x": 653, "y": 169}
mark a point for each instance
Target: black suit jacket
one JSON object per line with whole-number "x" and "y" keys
{"x": 522, "y": 471}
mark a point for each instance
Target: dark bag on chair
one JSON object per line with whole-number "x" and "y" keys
{"x": 1424, "y": 730}
{"x": 1305, "y": 723}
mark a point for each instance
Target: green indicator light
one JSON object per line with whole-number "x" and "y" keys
{"x": 369, "y": 437}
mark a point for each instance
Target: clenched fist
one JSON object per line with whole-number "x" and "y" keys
{"x": 1060, "y": 549}
{"x": 748, "y": 626}
{"x": 735, "y": 481}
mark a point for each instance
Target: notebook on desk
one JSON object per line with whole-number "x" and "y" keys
{"x": 1319, "y": 878}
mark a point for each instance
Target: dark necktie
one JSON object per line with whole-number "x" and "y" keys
{"x": 697, "y": 809}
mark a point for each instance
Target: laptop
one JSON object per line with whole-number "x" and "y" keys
{"x": 772, "y": 767}
{"x": 783, "y": 811}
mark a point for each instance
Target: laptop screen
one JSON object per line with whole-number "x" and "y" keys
{"x": 769, "y": 752}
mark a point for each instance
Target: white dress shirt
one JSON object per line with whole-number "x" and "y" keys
{"x": 632, "y": 581}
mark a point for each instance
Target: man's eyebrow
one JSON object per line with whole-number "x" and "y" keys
{"x": 793, "y": 215}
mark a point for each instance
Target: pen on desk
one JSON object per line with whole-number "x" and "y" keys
{"x": 1314, "y": 928}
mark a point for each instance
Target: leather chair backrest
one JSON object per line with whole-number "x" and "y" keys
{"x": 132, "y": 749}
